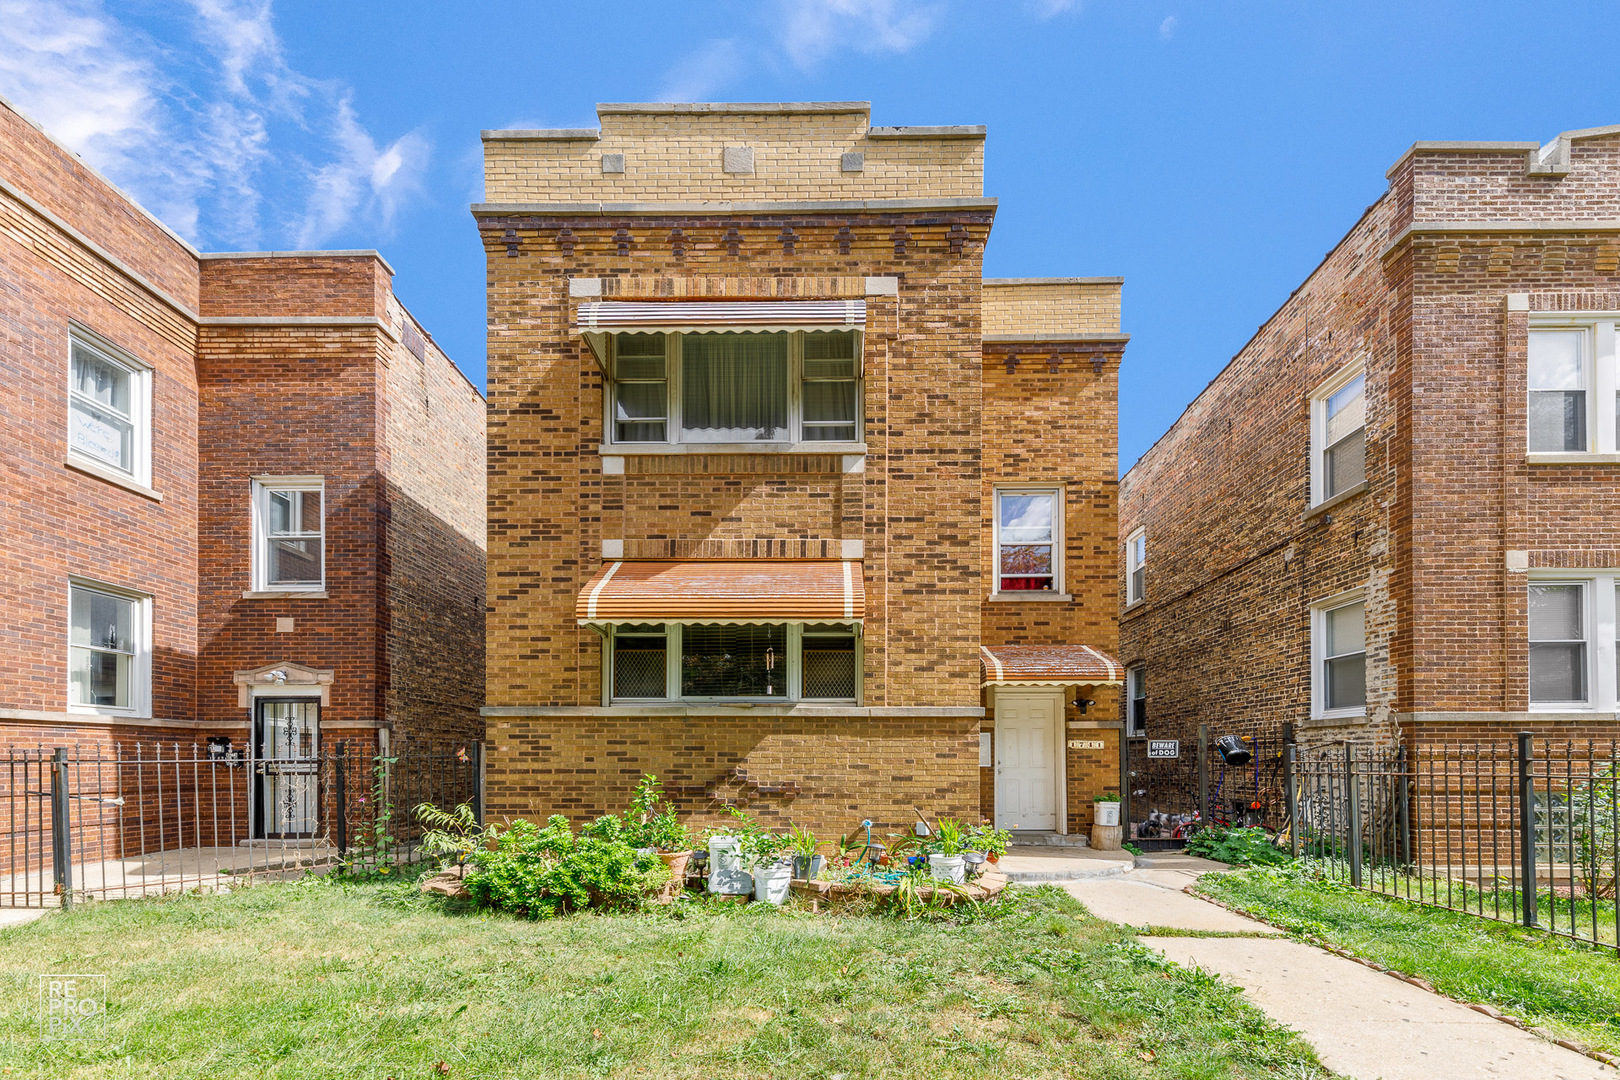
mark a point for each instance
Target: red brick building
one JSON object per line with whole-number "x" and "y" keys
{"x": 242, "y": 493}
{"x": 787, "y": 504}
{"x": 1393, "y": 514}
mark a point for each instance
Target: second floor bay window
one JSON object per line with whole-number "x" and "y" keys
{"x": 735, "y": 387}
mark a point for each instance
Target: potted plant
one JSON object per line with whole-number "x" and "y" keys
{"x": 1105, "y": 809}
{"x": 767, "y": 858}
{"x": 945, "y": 850}
{"x": 989, "y": 840}
{"x": 651, "y": 824}
{"x": 807, "y": 862}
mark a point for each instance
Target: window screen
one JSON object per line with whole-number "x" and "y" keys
{"x": 829, "y": 659}
{"x": 1557, "y": 387}
{"x": 1344, "y": 463}
{"x": 641, "y": 388}
{"x": 1344, "y": 666}
{"x": 830, "y": 389}
{"x": 1557, "y": 642}
{"x": 638, "y": 662}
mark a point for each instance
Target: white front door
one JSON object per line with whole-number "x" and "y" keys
{"x": 1027, "y": 774}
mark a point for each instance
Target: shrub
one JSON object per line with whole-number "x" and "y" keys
{"x": 539, "y": 872}
{"x": 1240, "y": 847}
{"x": 651, "y": 822}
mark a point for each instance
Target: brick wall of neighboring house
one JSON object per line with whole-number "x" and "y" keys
{"x": 1434, "y": 288}
{"x": 260, "y": 364}
{"x": 913, "y": 498}
{"x": 1051, "y": 403}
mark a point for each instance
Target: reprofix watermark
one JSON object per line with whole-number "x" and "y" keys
{"x": 71, "y": 1006}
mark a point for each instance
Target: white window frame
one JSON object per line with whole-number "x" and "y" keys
{"x": 1602, "y": 383}
{"x": 1060, "y": 497}
{"x": 1133, "y": 680}
{"x": 140, "y": 670}
{"x": 262, "y": 487}
{"x": 1133, "y": 563}
{"x": 794, "y": 438}
{"x": 1319, "y": 448}
{"x": 1319, "y": 613}
{"x": 793, "y": 683}
{"x": 1601, "y": 610}
{"x": 140, "y": 407}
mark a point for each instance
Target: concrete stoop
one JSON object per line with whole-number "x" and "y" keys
{"x": 1032, "y": 863}
{"x": 1032, "y": 838}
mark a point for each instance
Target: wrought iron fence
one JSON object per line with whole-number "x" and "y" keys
{"x": 110, "y": 822}
{"x": 1526, "y": 830}
{"x": 1221, "y": 779}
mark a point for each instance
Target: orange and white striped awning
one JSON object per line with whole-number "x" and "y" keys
{"x": 1047, "y": 665}
{"x": 724, "y": 591}
{"x": 720, "y": 316}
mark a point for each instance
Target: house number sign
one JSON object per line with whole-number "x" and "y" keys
{"x": 1164, "y": 748}
{"x": 1087, "y": 744}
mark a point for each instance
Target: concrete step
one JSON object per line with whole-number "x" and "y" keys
{"x": 1032, "y": 838}
{"x": 1029, "y": 863}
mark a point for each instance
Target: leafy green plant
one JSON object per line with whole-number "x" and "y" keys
{"x": 539, "y": 872}
{"x": 375, "y": 851}
{"x": 1107, "y": 796}
{"x": 453, "y": 834}
{"x": 1238, "y": 846}
{"x": 949, "y": 838}
{"x": 650, "y": 822}
{"x": 802, "y": 841}
{"x": 1132, "y": 848}
{"x": 988, "y": 839}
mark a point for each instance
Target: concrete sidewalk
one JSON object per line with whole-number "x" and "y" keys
{"x": 1362, "y": 1023}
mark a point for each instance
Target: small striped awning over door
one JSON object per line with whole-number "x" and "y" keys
{"x": 720, "y": 316}
{"x": 724, "y": 591}
{"x": 1047, "y": 665}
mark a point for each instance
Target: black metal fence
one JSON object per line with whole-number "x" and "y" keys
{"x": 1525, "y": 830}
{"x": 122, "y": 822}
{"x": 1220, "y": 780}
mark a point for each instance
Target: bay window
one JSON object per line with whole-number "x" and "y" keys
{"x": 736, "y": 387}
{"x": 754, "y": 662}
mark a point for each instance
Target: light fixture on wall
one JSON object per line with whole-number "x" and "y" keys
{"x": 1083, "y": 703}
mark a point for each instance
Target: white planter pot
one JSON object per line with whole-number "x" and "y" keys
{"x": 1107, "y": 813}
{"x": 773, "y": 881}
{"x": 726, "y": 875}
{"x": 952, "y": 868}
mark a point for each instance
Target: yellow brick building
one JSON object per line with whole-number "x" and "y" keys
{"x": 787, "y": 504}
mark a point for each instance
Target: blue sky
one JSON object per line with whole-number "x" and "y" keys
{"x": 1210, "y": 153}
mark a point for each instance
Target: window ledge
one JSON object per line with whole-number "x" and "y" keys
{"x": 1337, "y": 717}
{"x": 1328, "y": 504}
{"x": 639, "y": 449}
{"x": 655, "y": 708}
{"x": 285, "y": 594}
{"x": 112, "y": 476}
{"x": 1031, "y": 594}
{"x": 1571, "y": 459}
{"x": 1133, "y": 605}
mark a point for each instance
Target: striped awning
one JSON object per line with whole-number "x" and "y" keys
{"x": 1047, "y": 665}
{"x": 716, "y": 591}
{"x": 720, "y": 316}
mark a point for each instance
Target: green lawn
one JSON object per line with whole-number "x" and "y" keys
{"x": 1572, "y": 990}
{"x": 320, "y": 980}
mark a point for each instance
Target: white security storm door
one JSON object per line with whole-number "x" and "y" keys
{"x": 287, "y": 768}
{"x": 1027, "y": 772}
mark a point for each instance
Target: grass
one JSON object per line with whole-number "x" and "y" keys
{"x": 316, "y": 979}
{"x": 1570, "y": 989}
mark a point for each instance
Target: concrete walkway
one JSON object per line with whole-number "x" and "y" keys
{"x": 1362, "y": 1023}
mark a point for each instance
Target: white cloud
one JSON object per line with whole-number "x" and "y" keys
{"x": 1167, "y": 27}
{"x": 810, "y": 30}
{"x": 1051, "y": 9}
{"x": 705, "y": 71}
{"x": 210, "y": 128}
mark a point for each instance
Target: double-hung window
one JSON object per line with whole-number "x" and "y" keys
{"x": 1557, "y": 377}
{"x": 1558, "y": 643}
{"x": 736, "y": 387}
{"x": 1028, "y": 540}
{"x": 1136, "y": 567}
{"x": 763, "y": 662}
{"x": 109, "y": 409}
{"x": 108, "y": 656}
{"x": 1339, "y": 435}
{"x": 289, "y": 534}
{"x": 1339, "y": 647}
{"x": 1136, "y": 699}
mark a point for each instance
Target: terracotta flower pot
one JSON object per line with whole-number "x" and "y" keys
{"x": 676, "y": 862}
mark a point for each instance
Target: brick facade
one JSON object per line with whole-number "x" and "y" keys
{"x": 1432, "y": 290}
{"x": 261, "y": 365}
{"x": 911, "y": 498}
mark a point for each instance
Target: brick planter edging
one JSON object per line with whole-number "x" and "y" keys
{"x": 1421, "y": 984}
